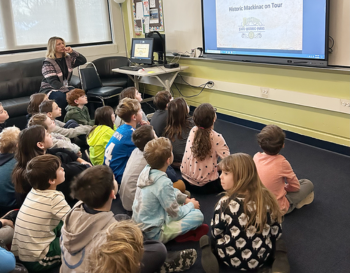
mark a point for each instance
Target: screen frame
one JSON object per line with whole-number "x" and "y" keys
{"x": 269, "y": 59}
{"x": 150, "y": 53}
{"x": 158, "y": 40}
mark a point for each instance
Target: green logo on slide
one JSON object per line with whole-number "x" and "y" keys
{"x": 251, "y": 28}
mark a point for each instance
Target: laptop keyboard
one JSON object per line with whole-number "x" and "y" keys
{"x": 131, "y": 68}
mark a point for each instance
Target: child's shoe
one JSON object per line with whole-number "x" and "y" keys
{"x": 308, "y": 200}
{"x": 281, "y": 263}
{"x": 193, "y": 235}
{"x": 179, "y": 261}
{"x": 209, "y": 262}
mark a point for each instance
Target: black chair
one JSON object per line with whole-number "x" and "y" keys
{"x": 104, "y": 68}
{"x": 92, "y": 85}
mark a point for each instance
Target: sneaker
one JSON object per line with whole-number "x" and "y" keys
{"x": 209, "y": 262}
{"x": 281, "y": 263}
{"x": 179, "y": 261}
{"x": 308, "y": 200}
{"x": 193, "y": 235}
{"x": 11, "y": 215}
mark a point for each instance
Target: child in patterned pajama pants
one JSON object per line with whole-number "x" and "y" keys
{"x": 163, "y": 211}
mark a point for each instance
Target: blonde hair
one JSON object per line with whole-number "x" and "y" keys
{"x": 38, "y": 119}
{"x": 127, "y": 108}
{"x": 9, "y": 140}
{"x": 119, "y": 250}
{"x": 258, "y": 200}
{"x": 51, "y": 47}
{"x": 157, "y": 151}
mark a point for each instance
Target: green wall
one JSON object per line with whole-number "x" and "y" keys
{"x": 321, "y": 124}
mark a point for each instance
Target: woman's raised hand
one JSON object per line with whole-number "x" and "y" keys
{"x": 68, "y": 49}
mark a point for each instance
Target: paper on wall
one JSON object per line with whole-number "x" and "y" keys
{"x": 146, "y": 24}
{"x": 139, "y": 10}
{"x": 154, "y": 16}
{"x": 145, "y": 8}
{"x": 152, "y": 3}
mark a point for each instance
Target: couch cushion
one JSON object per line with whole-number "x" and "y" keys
{"x": 16, "y": 107}
{"x": 20, "y": 79}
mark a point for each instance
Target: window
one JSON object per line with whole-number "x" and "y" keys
{"x": 27, "y": 25}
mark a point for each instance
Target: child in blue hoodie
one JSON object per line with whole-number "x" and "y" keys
{"x": 163, "y": 211}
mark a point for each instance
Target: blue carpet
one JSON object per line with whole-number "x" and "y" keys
{"x": 316, "y": 235}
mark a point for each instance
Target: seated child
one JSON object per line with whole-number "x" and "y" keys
{"x": 179, "y": 125}
{"x": 132, "y": 93}
{"x": 120, "y": 249}
{"x": 35, "y": 100}
{"x": 159, "y": 118}
{"x": 199, "y": 166}
{"x": 246, "y": 221}
{"x": 163, "y": 211}
{"x": 96, "y": 189}
{"x": 70, "y": 129}
{"x": 3, "y": 117}
{"x": 120, "y": 146}
{"x": 35, "y": 141}
{"x": 39, "y": 221}
{"x": 277, "y": 174}
{"x": 76, "y": 109}
{"x": 58, "y": 140}
{"x": 137, "y": 163}
{"x": 101, "y": 133}
{"x": 8, "y": 145}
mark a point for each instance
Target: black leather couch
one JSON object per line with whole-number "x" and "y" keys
{"x": 18, "y": 81}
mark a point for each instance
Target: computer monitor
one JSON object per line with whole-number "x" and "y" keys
{"x": 142, "y": 51}
{"x": 158, "y": 44}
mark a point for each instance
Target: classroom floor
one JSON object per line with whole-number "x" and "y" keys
{"x": 316, "y": 235}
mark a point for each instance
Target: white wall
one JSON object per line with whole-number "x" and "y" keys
{"x": 90, "y": 52}
{"x": 183, "y": 28}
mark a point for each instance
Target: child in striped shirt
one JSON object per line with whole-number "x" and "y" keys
{"x": 39, "y": 221}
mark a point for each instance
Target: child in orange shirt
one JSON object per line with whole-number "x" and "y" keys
{"x": 277, "y": 174}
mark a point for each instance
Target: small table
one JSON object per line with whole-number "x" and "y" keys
{"x": 158, "y": 75}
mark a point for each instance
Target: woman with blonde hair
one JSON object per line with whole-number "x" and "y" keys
{"x": 247, "y": 219}
{"x": 57, "y": 70}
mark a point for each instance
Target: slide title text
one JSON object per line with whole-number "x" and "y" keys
{"x": 253, "y": 7}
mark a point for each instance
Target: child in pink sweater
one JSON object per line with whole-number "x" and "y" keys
{"x": 277, "y": 174}
{"x": 204, "y": 146}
